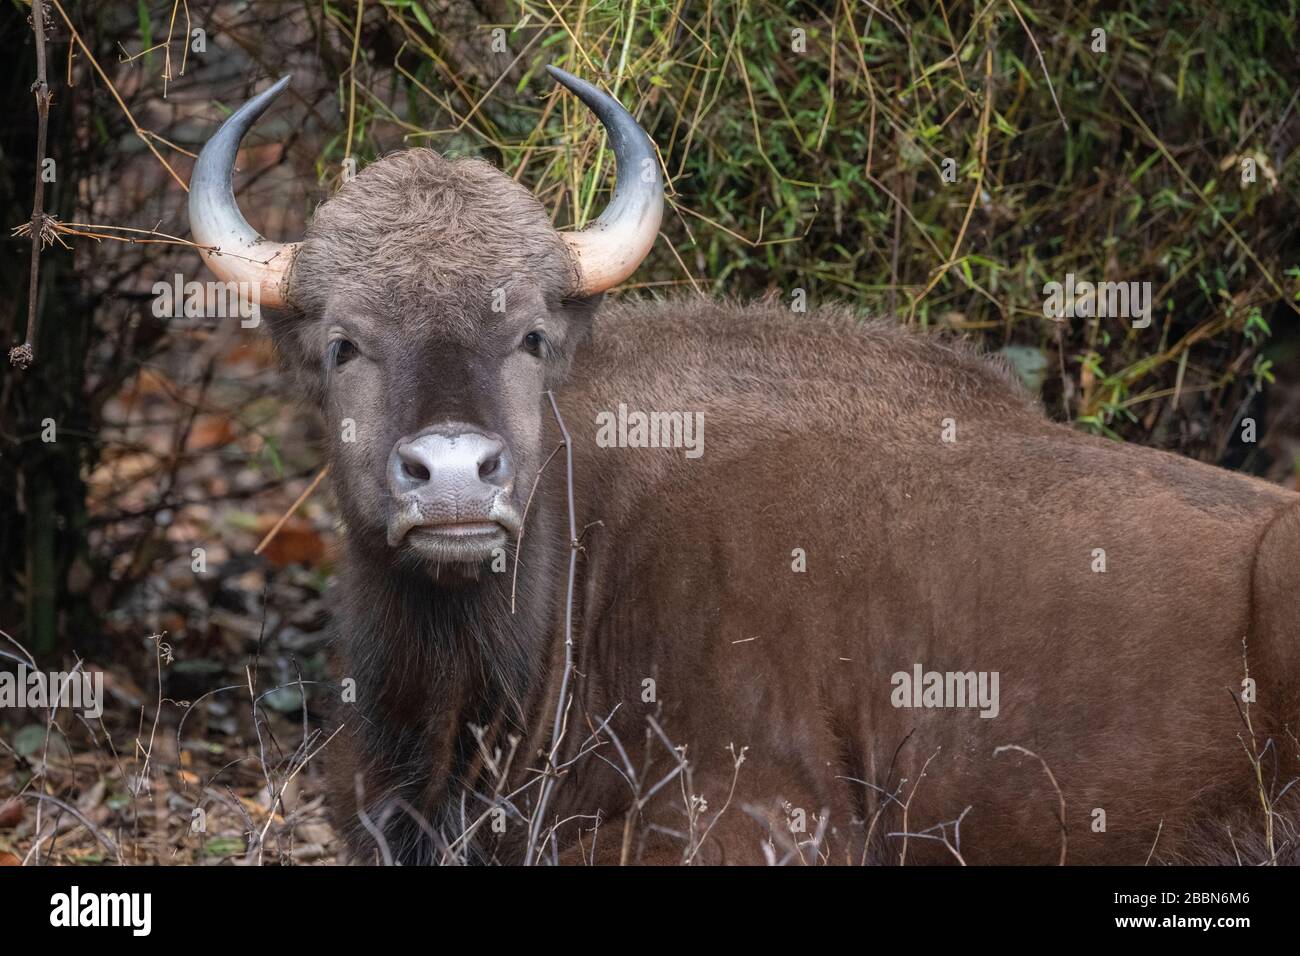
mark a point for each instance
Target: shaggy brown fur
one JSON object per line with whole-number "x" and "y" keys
{"x": 822, "y": 433}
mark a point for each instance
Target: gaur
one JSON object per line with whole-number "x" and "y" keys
{"x": 777, "y": 644}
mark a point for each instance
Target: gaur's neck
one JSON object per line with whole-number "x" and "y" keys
{"x": 434, "y": 658}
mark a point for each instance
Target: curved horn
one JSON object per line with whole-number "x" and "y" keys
{"x": 610, "y": 249}
{"x": 230, "y": 246}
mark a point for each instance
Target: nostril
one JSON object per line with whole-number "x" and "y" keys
{"x": 490, "y": 468}
{"x": 415, "y": 471}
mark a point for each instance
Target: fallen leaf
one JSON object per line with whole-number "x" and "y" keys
{"x": 11, "y": 813}
{"x": 296, "y": 543}
{"x": 92, "y": 797}
{"x": 211, "y": 431}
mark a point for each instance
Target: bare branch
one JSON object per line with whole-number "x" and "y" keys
{"x": 22, "y": 356}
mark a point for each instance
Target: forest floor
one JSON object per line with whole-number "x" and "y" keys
{"x": 209, "y": 748}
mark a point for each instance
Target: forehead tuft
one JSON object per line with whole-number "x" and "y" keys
{"x": 414, "y": 225}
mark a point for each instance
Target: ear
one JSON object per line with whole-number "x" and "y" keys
{"x": 292, "y": 334}
{"x": 580, "y": 313}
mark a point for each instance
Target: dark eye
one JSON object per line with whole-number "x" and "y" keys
{"x": 534, "y": 342}
{"x": 341, "y": 352}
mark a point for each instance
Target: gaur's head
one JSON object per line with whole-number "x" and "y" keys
{"x": 427, "y": 310}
